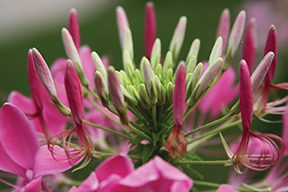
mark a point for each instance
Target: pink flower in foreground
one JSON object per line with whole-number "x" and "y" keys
{"x": 20, "y": 152}
{"x": 117, "y": 174}
{"x": 226, "y": 188}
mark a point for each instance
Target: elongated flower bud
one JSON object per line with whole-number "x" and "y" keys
{"x": 150, "y": 28}
{"x": 73, "y": 28}
{"x": 249, "y": 45}
{"x": 179, "y": 94}
{"x": 194, "y": 50}
{"x": 44, "y": 74}
{"x": 72, "y": 53}
{"x": 122, "y": 23}
{"x": 271, "y": 45}
{"x": 156, "y": 54}
{"x": 128, "y": 43}
{"x": 101, "y": 88}
{"x": 246, "y": 95}
{"x": 99, "y": 65}
{"x": 34, "y": 81}
{"x": 216, "y": 51}
{"x": 224, "y": 27}
{"x": 148, "y": 74}
{"x": 117, "y": 95}
{"x": 234, "y": 39}
{"x": 74, "y": 93}
{"x": 178, "y": 37}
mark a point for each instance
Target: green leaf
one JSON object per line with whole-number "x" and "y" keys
{"x": 147, "y": 152}
{"x": 155, "y": 138}
{"x": 137, "y": 150}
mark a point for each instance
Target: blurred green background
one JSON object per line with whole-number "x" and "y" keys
{"x": 99, "y": 31}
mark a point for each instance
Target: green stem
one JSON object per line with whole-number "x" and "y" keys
{"x": 108, "y": 130}
{"x": 205, "y": 183}
{"x": 213, "y": 123}
{"x": 107, "y": 115}
{"x": 216, "y": 162}
{"x": 101, "y": 154}
{"x": 215, "y": 131}
{"x": 93, "y": 93}
{"x": 154, "y": 118}
{"x": 139, "y": 133}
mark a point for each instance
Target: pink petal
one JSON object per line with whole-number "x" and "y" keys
{"x": 26, "y": 104}
{"x": 45, "y": 164}
{"x": 73, "y": 189}
{"x": 89, "y": 184}
{"x": 87, "y": 64}
{"x": 179, "y": 94}
{"x": 226, "y": 188}
{"x": 285, "y": 132}
{"x": 34, "y": 185}
{"x": 8, "y": 165}
{"x": 271, "y": 45}
{"x": 122, "y": 23}
{"x": 249, "y": 45}
{"x": 118, "y": 164}
{"x": 246, "y": 97}
{"x": 74, "y": 93}
{"x": 17, "y": 136}
{"x": 150, "y": 28}
{"x": 73, "y": 28}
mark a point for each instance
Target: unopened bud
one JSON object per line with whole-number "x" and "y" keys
{"x": 216, "y": 51}
{"x": 128, "y": 64}
{"x": 170, "y": 90}
{"x": 122, "y": 23}
{"x": 144, "y": 95}
{"x": 168, "y": 63}
{"x": 129, "y": 97}
{"x": 148, "y": 74}
{"x": 191, "y": 65}
{"x": 72, "y": 53}
{"x": 155, "y": 54}
{"x": 194, "y": 50}
{"x": 99, "y": 65}
{"x": 128, "y": 43}
{"x": 101, "y": 89}
{"x": 178, "y": 37}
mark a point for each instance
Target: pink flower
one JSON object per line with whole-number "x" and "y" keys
{"x": 21, "y": 153}
{"x": 226, "y": 188}
{"x": 254, "y": 160}
{"x": 117, "y": 174}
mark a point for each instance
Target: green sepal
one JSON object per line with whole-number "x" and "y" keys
{"x": 155, "y": 137}
{"x": 147, "y": 152}
{"x": 83, "y": 165}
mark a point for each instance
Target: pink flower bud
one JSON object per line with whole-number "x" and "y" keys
{"x": 34, "y": 81}
{"x": 73, "y": 28}
{"x": 150, "y": 28}
{"x": 223, "y": 27}
{"x": 236, "y": 33}
{"x": 271, "y": 45}
{"x": 44, "y": 74}
{"x": 178, "y": 37}
{"x": 246, "y": 96}
{"x": 74, "y": 93}
{"x": 122, "y": 23}
{"x": 249, "y": 45}
{"x": 179, "y": 94}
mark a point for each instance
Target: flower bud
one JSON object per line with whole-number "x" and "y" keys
{"x": 148, "y": 74}
{"x": 170, "y": 91}
{"x": 207, "y": 77}
{"x": 234, "y": 39}
{"x": 145, "y": 96}
{"x": 178, "y": 37}
{"x": 129, "y": 97}
{"x": 196, "y": 75}
{"x": 150, "y": 28}
{"x": 99, "y": 65}
{"x": 216, "y": 51}
{"x": 122, "y": 23}
{"x": 193, "y": 51}
{"x": 44, "y": 74}
{"x": 155, "y": 54}
{"x": 191, "y": 65}
{"x": 73, "y": 28}
{"x": 128, "y": 64}
{"x": 72, "y": 53}
{"x": 101, "y": 89}
{"x": 128, "y": 43}
{"x": 223, "y": 27}
{"x": 168, "y": 63}
{"x": 117, "y": 95}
